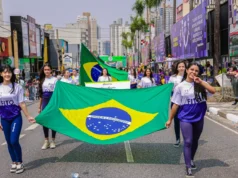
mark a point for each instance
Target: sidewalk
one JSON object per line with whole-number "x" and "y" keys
{"x": 224, "y": 109}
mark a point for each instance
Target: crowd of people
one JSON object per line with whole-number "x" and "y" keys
{"x": 188, "y": 105}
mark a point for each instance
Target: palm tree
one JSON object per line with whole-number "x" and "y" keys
{"x": 139, "y": 7}
{"x": 138, "y": 25}
{"x": 216, "y": 37}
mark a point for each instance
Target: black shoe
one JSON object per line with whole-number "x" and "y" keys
{"x": 235, "y": 102}
{"x": 189, "y": 173}
{"x": 193, "y": 166}
{"x": 177, "y": 144}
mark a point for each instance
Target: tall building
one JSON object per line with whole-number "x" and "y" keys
{"x": 104, "y": 47}
{"x": 168, "y": 17}
{"x": 100, "y": 47}
{"x": 116, "y": 29}
{"x": 98, "y": 32}
{"x": 107, "y": 48}
{"x": 1, "y": 13}
{"x": 92, "y": 30}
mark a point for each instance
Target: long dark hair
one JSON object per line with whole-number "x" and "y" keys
{"x": 134, "y": 73}
{"x": 175, "y": 72}
{"x": 151, "y": 74}
{"x": 198, "y": 89}
{"x": 102, "y": 72}
{"x": 42, "y": 77}
{"x": 13, "y": 78}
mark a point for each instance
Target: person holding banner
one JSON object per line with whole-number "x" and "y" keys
{"x": 176, "y": 79}
{"x": 133, "y": 78}
{"x": 66, "y": 77}
{"x": 189, "y": 100}
{"x": 46, "y": 89}
{"x": 104, "y": 76}
{"x": 148, "y": 80}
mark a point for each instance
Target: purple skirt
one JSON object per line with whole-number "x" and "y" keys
{"x": 45, "y": 101}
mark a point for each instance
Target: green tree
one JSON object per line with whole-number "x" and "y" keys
{"x": 138, "y": 25}
{"x": 139, "y": 7}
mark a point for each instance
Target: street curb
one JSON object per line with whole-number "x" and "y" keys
{"x": 219, "y": 112}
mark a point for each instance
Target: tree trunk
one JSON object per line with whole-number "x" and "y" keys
{"x": 190, "y": 5}
{"x": 216, "y": 38}
{"x": 174, "y": 12}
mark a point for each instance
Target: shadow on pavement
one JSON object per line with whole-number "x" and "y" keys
{"x": 69, "y": 141}
{"x": 147, "y": 153}
{"x": 209, "y": 163}
{"x": 202, "y": 142}
{"x": 40, "y": 162}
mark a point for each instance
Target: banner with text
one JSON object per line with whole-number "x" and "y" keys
{"x": 189, "y": 35}
{"x": 109, "y": 85}
{"x": 159, "y": 47}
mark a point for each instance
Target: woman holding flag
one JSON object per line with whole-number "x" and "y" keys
{"x": 66, "y": 77}
{"x": 189, "y": 100}
{"x": 133, "y": 78}
{"x": 46, "y": 89}
{"x": 148, "y": 80}
{"x": 176, "y": 79}
{"x": 11, "y": 104}
{"x": 105, "y": 77}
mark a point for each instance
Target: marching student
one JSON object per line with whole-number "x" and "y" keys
{"x": 176, "y": 79}
{"x": 11, "y": 104}
{"x": 75, "y": 77}
{"x": 105, "y": 77}
{"x": 133, "y": 78}
{"x": 66, "y": 77}
{"x": 190, "y": 98}
{"x": 46, "y": 89}
{"x": 148, "y": 80}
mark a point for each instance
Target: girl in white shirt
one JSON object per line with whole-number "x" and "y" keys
{"x": 46, "y": 89}
{"x": 66, "y": 77}
{"x": 176, "y": 79}
{"x": 133, "y": 78}
{"x": 11, "y": 105}
{"x": 104, "y": 76}
{"x": 189, "y": 100}
{"x": 147, "y": 81}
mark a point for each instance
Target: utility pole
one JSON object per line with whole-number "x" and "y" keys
{"x": 58, "y": 49}
{"x": 15, "y": 44}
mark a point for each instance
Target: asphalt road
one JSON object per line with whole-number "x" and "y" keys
{"x": 152, "y": 156}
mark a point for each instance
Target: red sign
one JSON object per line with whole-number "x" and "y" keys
{"x": 4, "y": 47}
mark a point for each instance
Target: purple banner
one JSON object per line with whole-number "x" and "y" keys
{"x": 189, "y": 35}
{"x": 159, "y": 47}
{"x": 233, "y": 33}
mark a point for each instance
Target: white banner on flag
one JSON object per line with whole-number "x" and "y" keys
{"x": 109, "y": 85}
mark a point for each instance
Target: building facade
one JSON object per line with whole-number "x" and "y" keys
{"x": 116, "y": 30}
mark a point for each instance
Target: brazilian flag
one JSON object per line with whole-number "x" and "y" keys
{"x": 105, "y": 116}
{"x": 91, "y": 68}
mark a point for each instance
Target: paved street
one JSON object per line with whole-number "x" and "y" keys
{"x": 152, "y": 156}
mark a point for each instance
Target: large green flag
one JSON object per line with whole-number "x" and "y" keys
{"x": 91, "y": 68}
{"x": 104, "y": 116}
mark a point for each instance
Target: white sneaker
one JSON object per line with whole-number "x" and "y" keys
{"x": 46, "y": 145}
{"x": 20, "y": 168}
{"x": 52, "y": 145}
{"x": 13, "y": 168}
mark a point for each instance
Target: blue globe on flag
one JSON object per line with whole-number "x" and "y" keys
{"x": 96, "y": 72}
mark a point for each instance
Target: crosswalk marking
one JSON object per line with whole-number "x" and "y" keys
{"x": 129, "y": 155}
{"x": 22, "y": 135}
{"x": 32, "y": 127}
